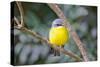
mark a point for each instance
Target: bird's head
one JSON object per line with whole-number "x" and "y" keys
{"x": 57, "y": 22}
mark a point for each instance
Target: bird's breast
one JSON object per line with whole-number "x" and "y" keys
{"x": 58, "y": 35}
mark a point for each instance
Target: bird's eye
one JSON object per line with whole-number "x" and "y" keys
{"x": 59, "y": 24}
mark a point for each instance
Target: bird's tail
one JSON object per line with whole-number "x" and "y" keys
{"x": 55, "y": 52}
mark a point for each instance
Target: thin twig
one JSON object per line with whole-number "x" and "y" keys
{"x": 17, "y": 21}
{"x": 76, "y": 38}
{"x": 18, "y": 26}
{"x": 21, "y": 12}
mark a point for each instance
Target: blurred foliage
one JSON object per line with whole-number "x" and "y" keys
{"x": 39, "y": 17}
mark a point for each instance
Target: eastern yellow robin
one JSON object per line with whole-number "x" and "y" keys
{"x": 58, "y": 35}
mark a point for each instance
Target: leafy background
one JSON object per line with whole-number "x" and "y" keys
{"x": 38, "y": 17}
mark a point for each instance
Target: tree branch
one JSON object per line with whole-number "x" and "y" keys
{"x": 66, "y": 23}
{"x": 17, "y": 22}
{"x": 66, "y": 52}
{"x": 21, "y": 12}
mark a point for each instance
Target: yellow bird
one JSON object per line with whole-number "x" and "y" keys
{"x": 58, "y": 35}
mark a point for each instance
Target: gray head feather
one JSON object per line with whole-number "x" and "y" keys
{"x": 57, "y": 22}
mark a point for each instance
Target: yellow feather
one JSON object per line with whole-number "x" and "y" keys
{"x": 58, "y": 35}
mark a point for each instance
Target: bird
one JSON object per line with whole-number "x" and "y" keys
{"x": 58, "y": 35}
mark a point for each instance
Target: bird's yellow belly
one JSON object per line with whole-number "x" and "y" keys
{"x": 58, "y": 36}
